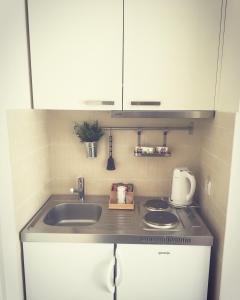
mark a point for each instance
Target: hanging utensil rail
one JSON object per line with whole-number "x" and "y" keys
{"x": 188, "y": 128}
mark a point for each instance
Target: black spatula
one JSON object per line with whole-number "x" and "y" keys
{"x": 110, "y": 162}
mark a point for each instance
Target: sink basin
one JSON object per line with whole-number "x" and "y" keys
{"x": 73, "y": 214}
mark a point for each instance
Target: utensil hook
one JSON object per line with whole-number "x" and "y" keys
{"x": 139, "y": 132}
{"x": 165, "y": 133}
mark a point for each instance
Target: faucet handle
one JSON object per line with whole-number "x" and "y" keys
{"x": 79, "y": 190}
{"x": 80, "y": 180}
{"x": 80, "y": 183}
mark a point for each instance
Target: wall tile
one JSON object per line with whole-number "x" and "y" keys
{"x": 68, "y": 157}
{"x": 29, "y": 147}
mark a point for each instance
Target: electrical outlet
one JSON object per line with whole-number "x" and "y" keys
{"x": 208, "y": 187}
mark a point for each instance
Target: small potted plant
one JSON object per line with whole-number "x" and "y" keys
{"x": 90, "y": 134}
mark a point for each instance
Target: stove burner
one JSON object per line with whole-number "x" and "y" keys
{"x": 161, "y": 219}
{"x": 157, "y": 204}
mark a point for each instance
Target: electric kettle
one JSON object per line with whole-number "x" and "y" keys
{"x": 183, "y": 187}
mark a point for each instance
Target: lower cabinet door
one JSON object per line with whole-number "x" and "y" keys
{"x": 162, "y": 272}
{"x": 69, "y": 271}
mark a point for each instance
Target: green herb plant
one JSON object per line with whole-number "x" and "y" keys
{"x": 88, "y": 132}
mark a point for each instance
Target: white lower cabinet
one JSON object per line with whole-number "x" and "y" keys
{"x": 75, "y": 271}
{"x": 162, "y": 272}
{"x": 68, "y": 271}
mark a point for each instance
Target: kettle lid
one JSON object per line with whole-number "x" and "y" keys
{"x": 178, "y": 171}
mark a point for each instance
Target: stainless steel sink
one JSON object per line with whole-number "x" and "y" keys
{"x": 70, "y": 214}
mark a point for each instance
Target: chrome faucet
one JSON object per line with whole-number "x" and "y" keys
{"x": 80, "y": 189}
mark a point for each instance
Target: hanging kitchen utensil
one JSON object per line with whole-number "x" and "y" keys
{"x": 110, "y": 162}
{"x": 164, "y": 148}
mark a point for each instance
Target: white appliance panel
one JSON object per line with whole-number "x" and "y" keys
{"x": 162, "y": 272}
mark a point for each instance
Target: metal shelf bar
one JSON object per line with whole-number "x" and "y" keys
{"x": 140, "y": 128}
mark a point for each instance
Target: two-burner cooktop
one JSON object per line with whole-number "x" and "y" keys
{"x": 159, "y": 215}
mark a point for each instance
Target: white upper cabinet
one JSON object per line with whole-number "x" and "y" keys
{"x": 170, "y": 54}
{"x": 76, "y": 53}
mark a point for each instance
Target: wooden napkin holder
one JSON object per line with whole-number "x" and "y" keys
{"x": 113, "y": 201}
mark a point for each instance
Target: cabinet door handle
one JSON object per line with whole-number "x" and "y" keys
{"x": 146, "y": 103}
{"x": 109, "y": 280}
{"x": 98, "y": 102}
{"x": 119, "y": 272}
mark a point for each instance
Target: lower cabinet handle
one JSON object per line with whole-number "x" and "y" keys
{"x": 146, "y": 103}
{"x": 109, "y": 280}
{"x": 98, "y": 102}
{"x": 119, "y": 273}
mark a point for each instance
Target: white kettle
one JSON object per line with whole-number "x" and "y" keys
{"x": 183, "y": 187}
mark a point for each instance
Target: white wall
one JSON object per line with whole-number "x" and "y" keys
{"x": 11, "y": 271}
{"x": 230, "y": 288}
{"x": 2, "y": 286}
{"x": 14, "y": 93}
{"x": 229, "y": 100}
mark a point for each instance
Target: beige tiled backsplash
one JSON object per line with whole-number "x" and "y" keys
{"x": 29, "y": 147}
{"x": 47, "y": 157}
{"x": 151, "y": 176}
{"x": 45, "y": 141}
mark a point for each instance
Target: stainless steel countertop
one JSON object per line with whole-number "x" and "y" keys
{"x": 117, "y": 226}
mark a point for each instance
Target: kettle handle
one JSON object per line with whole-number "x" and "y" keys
{"x": 192, "y": 180}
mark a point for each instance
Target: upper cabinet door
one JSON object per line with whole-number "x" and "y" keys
{"x": 76, "y": 53}
{"x": 170, "y": 54}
